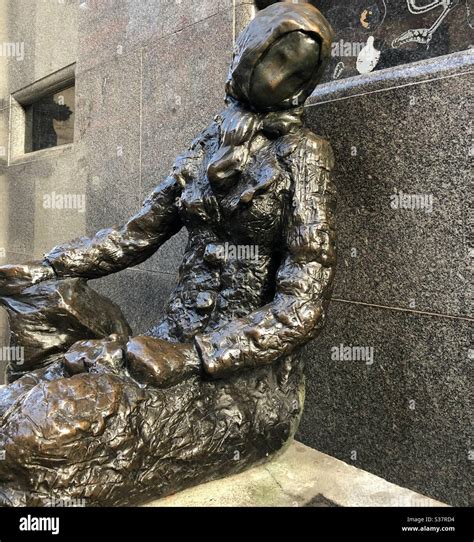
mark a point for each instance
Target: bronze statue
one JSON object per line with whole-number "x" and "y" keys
{"x": 216, "y": 386}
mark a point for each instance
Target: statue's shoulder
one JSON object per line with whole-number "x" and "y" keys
{"x": 187, "y": 165}
{"x": 308, "y": 146}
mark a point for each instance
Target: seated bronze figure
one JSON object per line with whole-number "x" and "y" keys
{"x": 217, "y": 385}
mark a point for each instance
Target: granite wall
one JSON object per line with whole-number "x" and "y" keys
{"x": 388, "y": 381}
{"x": 36, "y": 39}
{"x": 149, "y": 76}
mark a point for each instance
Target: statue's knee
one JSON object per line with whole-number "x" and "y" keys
{"x": 45, "y": 320}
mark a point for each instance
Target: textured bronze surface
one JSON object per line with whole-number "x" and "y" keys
{"x": 96, "y": 416}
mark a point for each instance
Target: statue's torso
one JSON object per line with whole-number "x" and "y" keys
{"x": 235, "y": 242}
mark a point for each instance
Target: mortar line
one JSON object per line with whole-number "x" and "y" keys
{"x": 234, "y": 22}
{"x": 140, "y": 138}
{"x": 157, "y": 272}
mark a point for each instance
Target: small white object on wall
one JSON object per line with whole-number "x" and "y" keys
{"x": 368, "y": 58}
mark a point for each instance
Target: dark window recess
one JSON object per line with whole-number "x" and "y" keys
{"x": 50, "y": 121}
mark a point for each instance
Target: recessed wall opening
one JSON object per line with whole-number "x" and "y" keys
{"x": 49, "y": 121}
{"x": 43, "y": 114}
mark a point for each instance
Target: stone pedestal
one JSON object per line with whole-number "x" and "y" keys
{"x": 300, "y": 476}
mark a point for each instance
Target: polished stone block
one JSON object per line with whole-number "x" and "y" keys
{"x": 44, "y": 34}
{"x": 47, "y": 202}
{"x": 391, "y": 139}
{"x": 177, "y": 107}
{"x": 178, "y": 99}
{"x": 19, "y": 217}
{"x": 393, "y": 26}
{"x": 113, "y": 27}
{"x": 109, "y": 96}
{"x": 406, "y": 415}
{"x": 168, "y": 258}
{"x": 110, "y": 168}
{"x": 396, "y": 402}
{"x": 107, "y": 148}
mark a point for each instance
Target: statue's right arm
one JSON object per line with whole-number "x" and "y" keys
{"x": 114, "y": 249}
{"x": 109, "y": 251}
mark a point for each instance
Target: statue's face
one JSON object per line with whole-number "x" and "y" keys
{"x": 285, "y": 69}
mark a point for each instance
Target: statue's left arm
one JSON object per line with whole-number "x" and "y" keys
{"x": 304, "y": 279}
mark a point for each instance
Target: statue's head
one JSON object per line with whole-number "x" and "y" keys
{"x": 280, "y": 57}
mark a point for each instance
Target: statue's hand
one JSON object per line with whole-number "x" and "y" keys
{"x": 15, "y": 278}
{"x": 160, "y": 363}
{"x": 95, "y": 356}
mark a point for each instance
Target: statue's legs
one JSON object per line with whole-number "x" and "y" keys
{"x": 45, "y": 321}
{"x": 99, "y": 438}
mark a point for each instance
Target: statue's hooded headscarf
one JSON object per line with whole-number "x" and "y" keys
{"x": 242, "y": 119}
{"x": 263, "y": 33}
